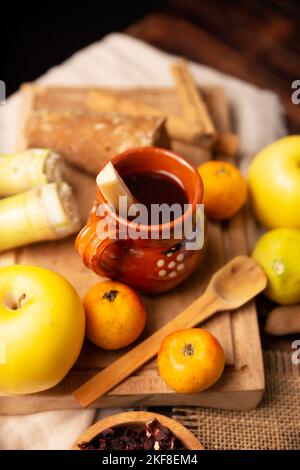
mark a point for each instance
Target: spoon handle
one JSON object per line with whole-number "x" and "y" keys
{"x": 202, "y": 309}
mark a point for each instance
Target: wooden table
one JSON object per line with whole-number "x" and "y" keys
{"x": 256, "y": 40}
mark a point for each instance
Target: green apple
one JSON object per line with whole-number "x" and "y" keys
{"x": 274, "y": 184}
{"x": 278, "y": 253}
{"x": 42, "y": 325}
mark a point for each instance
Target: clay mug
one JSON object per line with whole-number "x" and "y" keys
{"x": 150, "y": 263}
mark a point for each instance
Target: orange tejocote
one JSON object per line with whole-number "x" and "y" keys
{"x": 191, "y": 360}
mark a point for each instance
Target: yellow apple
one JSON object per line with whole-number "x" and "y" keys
{"x": 42, "y": 327}
{"x": 278, "y": 253}
{"x": 274, "y": 184}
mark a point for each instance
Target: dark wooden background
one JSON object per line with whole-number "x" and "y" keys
{"x": 256, "y": 40}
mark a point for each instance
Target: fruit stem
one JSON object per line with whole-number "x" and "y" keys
{"x": 278, "y": 267}
{"x": 15, "y": 304}
{"x": 188, "y": 349}
{"x": 110, "y": 295}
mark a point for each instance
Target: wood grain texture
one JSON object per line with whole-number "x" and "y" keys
{"x": 234, "y": 284}
{"x": 243, "y": 381}
{"x": 129, "y": 363}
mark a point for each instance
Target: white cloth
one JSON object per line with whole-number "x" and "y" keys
{"x": 121, "y": 61}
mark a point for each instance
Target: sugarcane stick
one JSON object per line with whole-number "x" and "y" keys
{"x": 30, "y": 169}
{"x": 113, "y": 187}
{"x": 46, "y": 213}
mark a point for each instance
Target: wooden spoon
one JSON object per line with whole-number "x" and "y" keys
{"x": 229, "y": 288}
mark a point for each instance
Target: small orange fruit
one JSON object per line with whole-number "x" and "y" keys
{"x": 190, "y": 360}
{"x": 115, "y": 315}
{"x": 225, "y": 189}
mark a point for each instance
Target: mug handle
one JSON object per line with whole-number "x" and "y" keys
{"x": 92, "y": 248}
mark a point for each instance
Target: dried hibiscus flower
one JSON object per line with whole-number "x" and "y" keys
{"x": 155, "y": 436}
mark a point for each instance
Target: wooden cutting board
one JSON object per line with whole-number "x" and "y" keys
{"x": 242, "y": 384}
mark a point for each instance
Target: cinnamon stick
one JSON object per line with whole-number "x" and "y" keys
{"x": 193, "y": 106}
{"x": 105, "y": 102}
{"x": 227, "y": 143}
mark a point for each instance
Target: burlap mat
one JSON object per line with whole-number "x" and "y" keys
{"x": 275, "y": 424}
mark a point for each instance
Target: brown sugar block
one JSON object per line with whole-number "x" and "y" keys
{"x": 88, "y": 140}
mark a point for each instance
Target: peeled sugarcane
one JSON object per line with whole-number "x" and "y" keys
{"x": 30, "y": 169}
{"x": 46, "y": 213}
{"x": 113, "y": 187}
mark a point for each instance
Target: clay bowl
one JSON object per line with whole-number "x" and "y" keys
{"x": 137, "y": 420}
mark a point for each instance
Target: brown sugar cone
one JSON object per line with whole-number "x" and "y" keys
{"x": 89, "y": 140}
